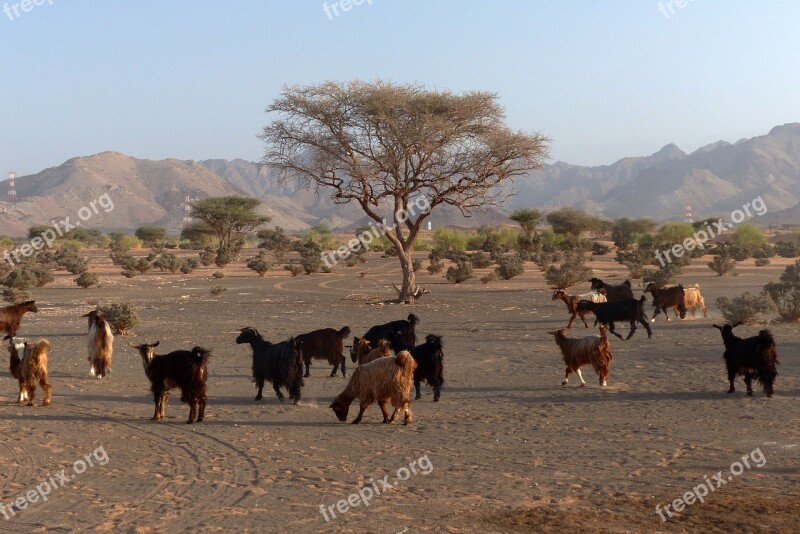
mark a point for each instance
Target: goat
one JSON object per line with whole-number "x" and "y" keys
{"x": 572, "y": 302}
{"x": 589, "y": 350}
{"x": 29, "y": 369}
{"x": 387, "y": 331}
{"x": 668, "y": 297}
{"x": 278, "y": 363}
{"x": 693, "y": 298}
{"x": 324, "y": 344}
{"x": 101, "y": 345}
{"x": 11, "y": 316}
{"x": 385, "y": 380}
{"x": 430, "y": 363}
{"x": 184, "y": 369}
{"x": 607, "y": 313}
{"x": 359, "y": 349}
{"x": 752, "y": 357}
{"x": 383, "y": 350}
{"x": 614, "y": 293}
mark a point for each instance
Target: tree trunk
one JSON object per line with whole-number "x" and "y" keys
{"x": 409, "y": 277}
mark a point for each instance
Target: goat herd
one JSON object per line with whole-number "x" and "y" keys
{"x": 388, "y": 357}
{"x": 384, "y": 374}
{"x": 754, "y": 357}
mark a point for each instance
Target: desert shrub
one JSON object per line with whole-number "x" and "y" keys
{"x": 121, "y": 317}
{"x": 259, "y": 264}
{"x": 218, "y": 290}
{"x": 491, "y": 277}
{"x": 76, "y": 265}
{"x": 786, "y": 249}
{"x": 294, "y": 268}
{"x": 44, "y": 275}
{"x": 140, "y": 265}
{"x": 600, "y": 249}
{"x": 151, "y": 235}
{"x": 786, "y": 298}
{"x": 322, "y": 236}
{"x": 663, "y": 277}
{"x": 218, "y": 274}
{"x": 123, "y": 242}
{"x": 16, "y": 296}
{"x": 551, "y": 241}
{"x": 572, "y": 271}
{"x": 543, "y": 260}
{"x": 763, "y": 252}
{"x": 762, "y": 262}
{"x": 480, "y": 260}
{"x": 167, "y": 261}
{"x": 459, "y": 273}
{"x": 87, "y": 280}
{"x": 416, "y": 265}
{"x": 21, "y": 279}
{"x": 127, "y": 273}
{"x": 509, "y": 266}
{"x": 435, "y": 266}
{"x": 207, "y": 256}
{"x": 744, "y": 308}
{"x": 722, "y": 264}
{"x": 449, "y": 239}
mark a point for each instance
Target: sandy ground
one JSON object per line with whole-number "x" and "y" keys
{"x": 507, "y": 449}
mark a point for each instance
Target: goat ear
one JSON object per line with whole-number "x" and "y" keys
{"x": 131, "y": 345}
{"x": 154, "y": 345}
{"x": 717, "y": 327}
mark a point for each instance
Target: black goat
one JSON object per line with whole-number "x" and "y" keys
{"x": 278, "y": 363}
{"x": 607, "y": 313}
{"x": 324, "y": 344}
{"x": 402, "y": 328}
{"x": 184, "y": 369}
{"x": 752, "y": 357}
{"x": 614, "y": 293}
{"x": 430, "y": 362}
{"x": 667, "y": 297}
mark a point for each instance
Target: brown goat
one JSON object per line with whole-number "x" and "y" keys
{"x": 101, "y": 345}
{"x": 11, "y": 316}
{"x": 384, "y": 349}
{"x": 324, "y": 344}
{"x": 589, "y": 350}
{"x": 386, "y": 380}
{"x": 360, "y": 348}
{"x": 572, "y": 303}
{"x": 29, "y": 369}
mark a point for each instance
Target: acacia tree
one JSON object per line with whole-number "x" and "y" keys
{"x": 386, "y": 146}
{"x": 527, "y": 220}
{"x": 230, "y": 219}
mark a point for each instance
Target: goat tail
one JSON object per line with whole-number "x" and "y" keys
{"x": 201, "y": 355}
{"x": 296, "y": 366}
{"x": 405, "y": 360}
{"x": 697, "y": 287}
{"x": 413, "y": 319}
{"x": 344, "y": 333}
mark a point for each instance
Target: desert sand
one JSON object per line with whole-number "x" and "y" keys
{"x": 507, "y": 449}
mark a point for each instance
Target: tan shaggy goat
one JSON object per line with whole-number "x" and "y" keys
{"x": 589, "y": 350}
{"x": 101, "y": 345}
{"x": 693, "y": 298}
{"x": 385, "y": 380}
{"x": 384, "y": 350}
{"x": 29, "y": 369}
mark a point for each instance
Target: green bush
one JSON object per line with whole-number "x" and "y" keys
{"x": 44, "y": 275}
{"x": 416, "y": 265}
{"x": 786, "y": 249}
{"x": 435, "y": 266}
{"x": 218, "y": 274}
{"x": 663, "y": 277}
{"x": 16, "y": 296}
{"x": 87, "y": 280}
{"x": 744, "y": 308}
{"x": 762, "y": 262}
{"x": 509, "y": 266}
{"x": 123, "y": 242}
{"x": 600, "y": 249}
{"x": 218, "y": 290}
{"x": 459, "y": 273}
{"x": 21, "y": 279}
{"x": 167, "y": 261}
{"x": 571, "y": 272}
{"x": 722, "y": 264}
{"x": 294, "y": 268}
{"x": 480, "y": 260}
{"x": 151, "y": 235}
{"x": 491, "y": 277}
{"x": 259, "y": 264}
{"x": 121, "y": 317}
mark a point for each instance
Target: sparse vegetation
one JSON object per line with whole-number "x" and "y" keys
{"x": 87, "y": 280}
{"x": 461, "y": 272}
{"x": 509, "y": 266}
{"x": 744, "y": 308}
{"x": 218, "y": 290}
{"x": 572, "y": 271}
{"x": 722, "y": 264}
{"x": 121, "y": 317}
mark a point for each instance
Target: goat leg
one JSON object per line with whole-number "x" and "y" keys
{"x": 611, "y": 329}
{"x": 386, "y": 418}
{"x": 416, "y": 387}
{"x": 633, "y": 330}
{"x": 344, "y": 371}
{"x": 260, "y": 385}
{"x": 201, "y": 410}
{"x": 436, "y": 391}
{"x": 731, "y": 377}
{"x": 277, "y": 389}
{"x": 748, "y": 381}
{"x": 48, "y": 395}
{"x": 362, "y": 409}
{"x": 31, "y": 393}
{"x": 583, "y": 319}
{"x": 192, "y": 411}
{"x": 408, "y": 414}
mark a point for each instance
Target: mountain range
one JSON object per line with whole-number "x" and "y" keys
{"x": 714, "y": 180}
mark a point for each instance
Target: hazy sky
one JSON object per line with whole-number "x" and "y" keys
{"x": 191, "y": 79}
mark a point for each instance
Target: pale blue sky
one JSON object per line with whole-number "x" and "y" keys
{"x": 191, "y": 79}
